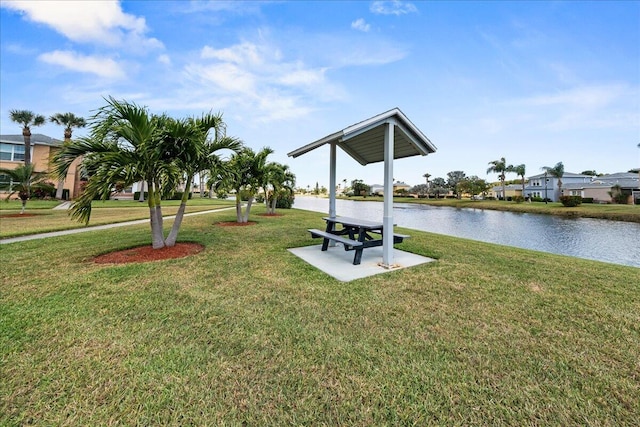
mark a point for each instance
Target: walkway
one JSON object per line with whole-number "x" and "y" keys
{"x": 96, "y": 227}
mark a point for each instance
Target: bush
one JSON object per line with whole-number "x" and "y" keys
{"x": 518, "y": 199}
{"x": 571, "y": 201}
{"x": 46, "y": 190}
{"x": 587, "y": 200}
{"x": 285, "y": 200}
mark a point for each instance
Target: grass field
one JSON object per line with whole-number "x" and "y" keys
{"x": 44, "y": 219}
{"x": 245, "y": 333}
{"x": 629, "y": 213}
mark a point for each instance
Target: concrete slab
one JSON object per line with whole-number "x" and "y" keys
{"x": 338, "y": 263}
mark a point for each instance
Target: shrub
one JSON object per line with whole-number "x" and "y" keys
{"x": 587, "y": 200}
{"x": 571, "y": 201}
{"x": 518, "y": 199}
{"x": 45, "y": 190}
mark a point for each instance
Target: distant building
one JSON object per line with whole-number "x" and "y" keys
{"x": 43, "y": 148}
{"x": 397, "y": 186}
{"x": 511, "y": 190}
{"x": 600, "y": 186}
{"x": 546, "y": 186}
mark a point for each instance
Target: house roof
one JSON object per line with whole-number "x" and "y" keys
{"x": 364, "y": 141}
{"x": 565, "y": 175}
{"x": 36, "y": 139}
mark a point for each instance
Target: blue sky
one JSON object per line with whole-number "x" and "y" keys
{"x": 535, "y": 82}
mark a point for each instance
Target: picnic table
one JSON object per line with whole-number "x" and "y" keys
{"x": 355, "y": 234}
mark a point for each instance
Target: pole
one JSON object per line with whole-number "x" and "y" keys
{"x": 387, "y": 220}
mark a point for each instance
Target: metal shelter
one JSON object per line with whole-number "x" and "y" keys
{"x": 385, "y": 137}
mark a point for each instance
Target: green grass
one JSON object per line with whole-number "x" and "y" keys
{"x": 103, "y": 212}
{"x": 245, "y": 332}
{"x": 630, "y": 213}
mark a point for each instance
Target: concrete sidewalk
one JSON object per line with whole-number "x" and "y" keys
{"x": 97, "y": 227}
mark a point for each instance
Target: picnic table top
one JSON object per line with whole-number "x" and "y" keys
{"x": 353, "y": 222}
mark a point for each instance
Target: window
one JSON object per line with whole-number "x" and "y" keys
{"x": 5, "y": 182}
{"x": 12, "y": 152}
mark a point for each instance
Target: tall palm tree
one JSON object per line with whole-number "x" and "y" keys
{"x": 197, "y": 153}
{"x": 127, "y": 144}
{"x": 556, "y": 171}
{"x": 499, "y": 167}
{"x": 27, "y": 119}
{"x": 23, "y": 180}
{"x": 520, "y": 170}
{"x": 427, "y": 176}
{"x": 281, "y": 179}
{"x": 248, "y": 169}
{"x": 69, "y": 121}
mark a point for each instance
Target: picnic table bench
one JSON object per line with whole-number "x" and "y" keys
{"x": 354, "y": 234}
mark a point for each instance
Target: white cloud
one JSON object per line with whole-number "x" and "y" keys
{"x": 164, "y": 59}
{"x": 393, "y": 7}
{"x": 587, "y": 97}
{"x": 101, "y": 22}
{"x": 101, "y": 66}
{"x": 257, "y": 77}
{"x": 360, "y": 24}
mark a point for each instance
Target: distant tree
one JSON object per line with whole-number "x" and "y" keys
{"x": 454, "y": 177}
{"x": 420, "y": 189}
{"x": 520, "y": 170}
{"x": 69, "y": 121}
{"x": 438, "y": 186}
{"x": 589, "y": 172}
{"x": 499, "y": 167}
{"x": 27, "y": 119}
{"x": 556, "y": 171}
{"x": 359, "y": 188}
{"x": 427, "y": 176}
{"x": 22, "y": 180}
{"x": 472, "y": 185}
{"x": 281, "y": 182}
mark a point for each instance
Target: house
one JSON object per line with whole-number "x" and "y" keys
{"x": 599, "y": 187}
{"x": 546, "y": 186}
{"x": 397, "y": 186}
{"x": 510, "y": 190}
{"x": 43, "y": 148}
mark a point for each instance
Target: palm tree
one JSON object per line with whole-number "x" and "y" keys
{"x": 281, "y": 180}
{"x": 127, "y": 144}
{"x": 247, "y": 175}
{"x": 199, "y": 153}
{"x": 427, "y": 176}
{"x": 520, "y": 170}
{"x": 69, "y": 121}
{"x": 27, "y": 119}
{"x": 499, "y": 167}
{"x": 556, "y": 171}
{"x": 23, "y": 180}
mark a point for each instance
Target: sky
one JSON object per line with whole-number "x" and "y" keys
{"x": 535, "y": 82}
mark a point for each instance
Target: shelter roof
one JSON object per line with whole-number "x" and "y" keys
{"x": 364, "y": 141}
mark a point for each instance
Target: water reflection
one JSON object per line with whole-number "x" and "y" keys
{"x": 610, "y": 241}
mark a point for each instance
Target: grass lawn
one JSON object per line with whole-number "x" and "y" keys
{"x": 43, "y": 218}
{"x": 245, "y": 333}
{"x": 629, "y": 213}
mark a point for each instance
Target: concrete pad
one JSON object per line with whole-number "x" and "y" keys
{"x": 338, "y": 263}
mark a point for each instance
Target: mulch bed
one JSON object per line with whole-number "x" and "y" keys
{"x": 18, "y": 215}
{"x": 270, "y": 214}
{"x": 235, "y": 224}
{"x": 147, "y": 253}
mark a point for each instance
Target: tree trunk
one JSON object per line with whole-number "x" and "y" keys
{"x": 141, "y": 195}
{"x": 248, "y": 208}
{"x": 155, "y": 216}
{"x": 173, "y": 234}
{"x": 238, "y": 207}
{"x": 274, "y": 202}
{"x": 26, "y": 134}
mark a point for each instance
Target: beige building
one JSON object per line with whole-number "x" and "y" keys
{"x": 43, "y": 148}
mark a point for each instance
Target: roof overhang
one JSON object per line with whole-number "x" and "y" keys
{"x": 364, "y": 141}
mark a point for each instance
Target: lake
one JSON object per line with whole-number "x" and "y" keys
{"x": 615, "y": 242}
